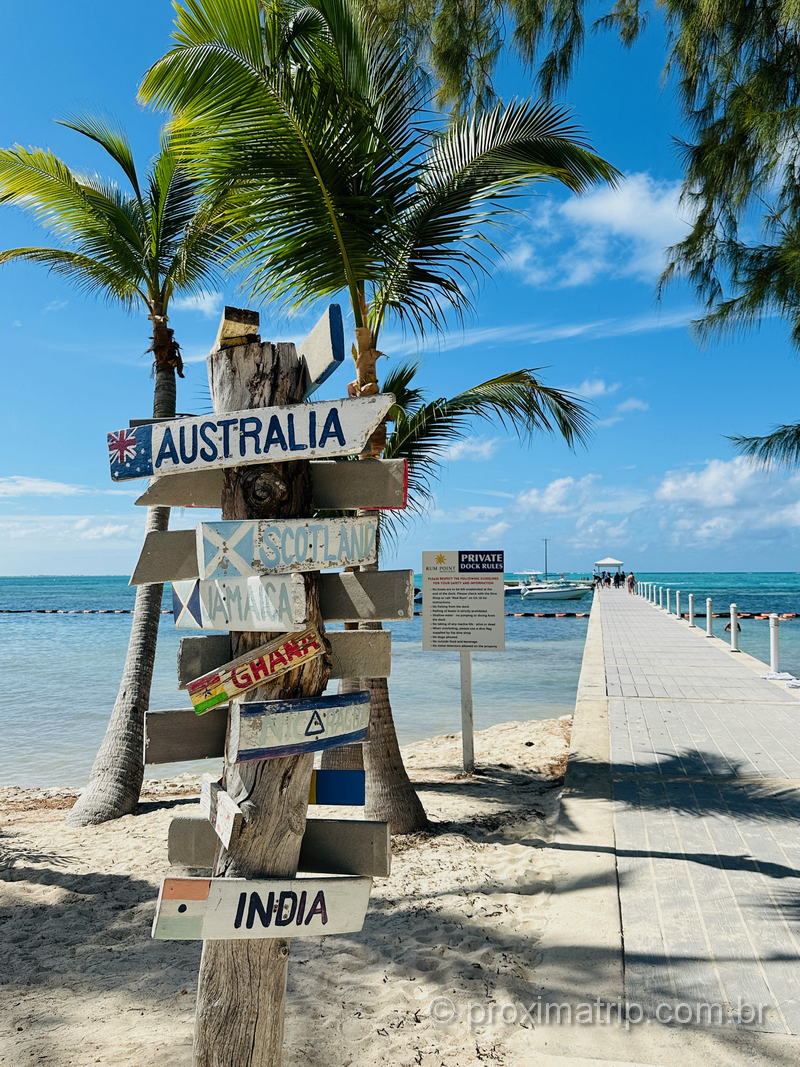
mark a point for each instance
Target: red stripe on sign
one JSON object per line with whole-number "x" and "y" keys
{"x": 201, "y": 683}
{"x": 186, "y": 888}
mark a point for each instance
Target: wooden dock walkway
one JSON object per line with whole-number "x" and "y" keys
{"x": 705, "y": 780}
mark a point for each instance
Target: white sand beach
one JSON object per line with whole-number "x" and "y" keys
{"x": 459, "y": 918}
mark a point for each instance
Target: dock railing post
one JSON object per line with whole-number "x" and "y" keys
{"x": 678, "y": 603}
{"x": 661, "y": 596}
{"x": 691, "y": 609}
{"x": 734, "y": 628}
{"x": 774, "y": 637}
{"x": 669, "y": 591}
{"x": 467, "y": 728}
{"x": 709, "y": 617}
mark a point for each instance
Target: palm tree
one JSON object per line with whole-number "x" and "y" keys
{"x": 423, "y": 432}
{"x": 136, "y": 247}
{"x": 315, "y": 127}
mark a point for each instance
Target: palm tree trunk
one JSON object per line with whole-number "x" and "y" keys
{"x": 115, "y": 782}
{"x": 390, "y": 795}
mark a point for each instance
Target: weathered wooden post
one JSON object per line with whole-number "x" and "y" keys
{"x": 242, "y": 984}
{"x": 734, "y": 624}
{"x": 709, "y": 617}
{"x": 774, "y": 638}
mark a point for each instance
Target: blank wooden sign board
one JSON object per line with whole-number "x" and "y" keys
{"x": 336, "y": 485}
{"x": 194, "y": 909}
{"x": 238, "y": 549}
{"x": 223, "y": 815}
{"x": 320, "y": 430}
{"x": 329, "y": 846}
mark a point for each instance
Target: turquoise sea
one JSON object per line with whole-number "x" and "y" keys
{"x": 60, "y": 672}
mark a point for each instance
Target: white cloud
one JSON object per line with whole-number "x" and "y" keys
{"x": 559, "y": 497}
{"x": 493, "y": 533}
{"x": 56, "y": 305}
{"x": 17, "y": 485}
{"x": 633, "y": 404}
{"x": 720, "y": 483}
{"x": 612, "y": 420}
{"x": 104, "y": 532}
{"x": 208, "y": 304}
{"x": 477, "y": 513}
{"x": 481, "y": 448}
{"x": 613, "y": 232}
{"x": 594, "y": 387}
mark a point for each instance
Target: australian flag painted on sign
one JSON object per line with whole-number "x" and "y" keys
{"x": 130, "y": 452}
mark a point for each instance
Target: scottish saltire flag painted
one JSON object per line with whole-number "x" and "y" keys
{"x": 267, "y": 729}
{"x": 130, "y": 452}
{"x": 321, "y": 430}
{"x": 238, "y": 548}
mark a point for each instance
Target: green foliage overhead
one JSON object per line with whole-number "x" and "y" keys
{"x": 139, "y": 244}
{"x": 316, "y": 127}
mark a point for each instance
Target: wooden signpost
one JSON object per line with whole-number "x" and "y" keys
{"x": 330, "y": 846}
{"x": 271, "y": 728}
{"x": 269, "y": 460}
{"x": 336, "y": 485}
{"x": 274, "y": 603}
{"x": 239, "y": 549}
{"x": 264, "y": 435}
{"x": 222, "y": 909}
{"x": 252, "y": 669}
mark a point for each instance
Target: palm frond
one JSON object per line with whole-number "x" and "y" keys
{"x": 781, "y": 447}
{"x": 517, "y": 400}
{"x": 86, "y": 273}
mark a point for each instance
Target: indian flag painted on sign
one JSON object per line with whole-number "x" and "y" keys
{"x": 261, "y": 665}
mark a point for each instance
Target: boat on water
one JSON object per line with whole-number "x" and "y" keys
{"x": 546, "y": 588}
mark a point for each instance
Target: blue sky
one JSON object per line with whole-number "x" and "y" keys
{"x": 658, "y": 486}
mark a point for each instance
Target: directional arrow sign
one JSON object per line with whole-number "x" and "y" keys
{"x": 323, "y": 349}
{"x": 274, "y": 603}
{"x": 201, "y": 909}
{"x": 246, "y": 672}
{"x": 263, "y": 435}
{"x": 234, "y": 549}
{"x": 336, "y": 485}
{"x": 266, "y": 729}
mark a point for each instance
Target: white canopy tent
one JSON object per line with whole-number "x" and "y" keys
{"x": 607, "y": 563}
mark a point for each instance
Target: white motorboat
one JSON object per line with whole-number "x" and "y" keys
{"x": 555, "y": 591}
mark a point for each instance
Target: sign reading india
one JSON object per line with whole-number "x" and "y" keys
{"x": 263, "y": 435}
{"x": 270, "y": 728}
{"x": 260, "y": 665}
{"x": 194, "y": 909}
{"x": 237, "y": 549}
{"x": 274, "y": 603}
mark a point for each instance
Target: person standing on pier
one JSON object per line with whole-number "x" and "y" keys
{"x": 631, "y": 583}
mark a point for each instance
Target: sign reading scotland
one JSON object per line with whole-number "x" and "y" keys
{"x": 265, "y": 435}
{"x": 237, "y": 549}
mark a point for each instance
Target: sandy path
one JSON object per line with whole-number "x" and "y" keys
{"x": 82, "y": 982}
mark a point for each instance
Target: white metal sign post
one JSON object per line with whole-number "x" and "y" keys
{"x": 463, "y": 611}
